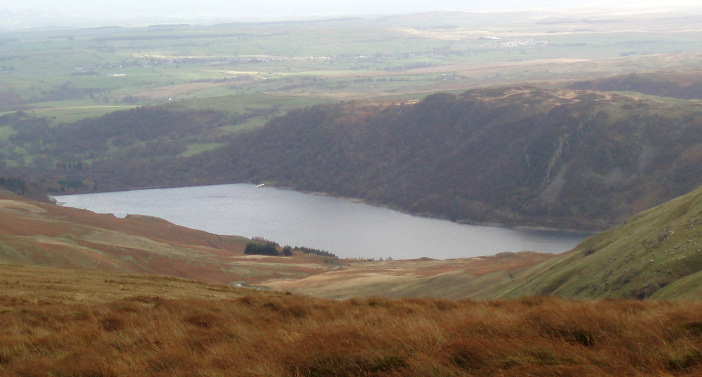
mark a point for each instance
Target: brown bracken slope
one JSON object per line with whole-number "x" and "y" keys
{"x": 49, "y": 235}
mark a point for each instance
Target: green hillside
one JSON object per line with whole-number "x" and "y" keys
{"x": 656, "y": 254}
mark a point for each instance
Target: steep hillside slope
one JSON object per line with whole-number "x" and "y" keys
{"x": 655, "y": 254}
{"x": 42, "y": 234}
{"x": 516, "y": 155}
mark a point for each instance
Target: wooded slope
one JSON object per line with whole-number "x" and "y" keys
{"x": 518, "y": 156}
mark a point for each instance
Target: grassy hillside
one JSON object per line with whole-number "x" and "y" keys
{"x": 449, "y": 279}
{"x": 48, "y": 235}
{"x": 68, "y": 323}
{"x": 655, "y": 254}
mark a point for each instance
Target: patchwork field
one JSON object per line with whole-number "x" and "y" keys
{"x": 56, "y": 73}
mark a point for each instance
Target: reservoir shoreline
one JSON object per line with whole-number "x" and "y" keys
{"x": 523, "y": 225}
{"x": 348, "y": 227}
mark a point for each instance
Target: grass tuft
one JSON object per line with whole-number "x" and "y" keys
{"x": 684, "y": 361}
{"x": 111, "y": 323}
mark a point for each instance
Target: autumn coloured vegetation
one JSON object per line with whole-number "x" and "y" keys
{"x": 471, "y": 117}
{"x": 108, "y": 325}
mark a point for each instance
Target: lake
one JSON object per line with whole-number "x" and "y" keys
{"x": 345, "y": 228}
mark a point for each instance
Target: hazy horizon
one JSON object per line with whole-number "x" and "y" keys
{"x": 81, "y": 13}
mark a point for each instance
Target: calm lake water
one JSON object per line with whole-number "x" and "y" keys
{"x": 344, "y": 228}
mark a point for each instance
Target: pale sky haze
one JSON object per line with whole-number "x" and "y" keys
{"x": 97, "y": 13}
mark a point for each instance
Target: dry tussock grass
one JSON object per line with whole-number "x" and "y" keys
{"x": 286, "y": 335}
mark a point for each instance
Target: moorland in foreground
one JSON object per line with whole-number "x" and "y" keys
{"x": 67, "y": 323}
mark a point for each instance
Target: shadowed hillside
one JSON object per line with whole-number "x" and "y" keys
{"x": 514, "y": 156}
{"x": 685, "y": 85}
